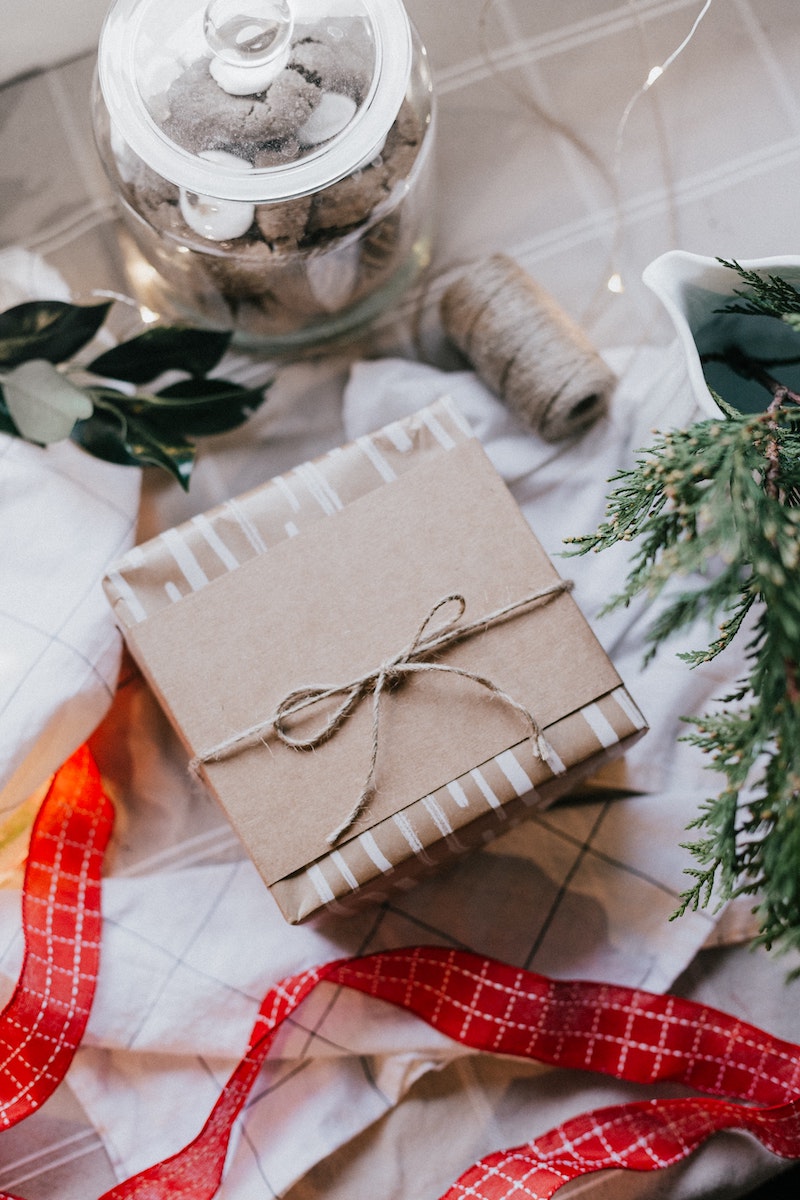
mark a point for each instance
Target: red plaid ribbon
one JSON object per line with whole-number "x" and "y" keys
{"x": 749, "y": 1080}
{"x": 43, "y": 1023}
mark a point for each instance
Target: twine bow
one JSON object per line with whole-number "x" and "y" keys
{"x": 412, "y": 659}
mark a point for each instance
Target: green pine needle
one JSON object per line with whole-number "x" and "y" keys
{"x": 768, "y": 295}
{"x": 717, "y": 506}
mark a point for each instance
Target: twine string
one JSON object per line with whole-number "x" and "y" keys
{"x": 412, "y": 659}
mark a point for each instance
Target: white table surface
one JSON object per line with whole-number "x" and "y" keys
{"x": 531, "y": 96}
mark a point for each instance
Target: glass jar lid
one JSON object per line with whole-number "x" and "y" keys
{"x": 254, "y": 100}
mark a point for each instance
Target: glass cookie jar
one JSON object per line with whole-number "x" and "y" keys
{"x": 272, "y": 160}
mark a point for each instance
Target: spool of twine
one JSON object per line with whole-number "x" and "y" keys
{"x": 526, "y": 349}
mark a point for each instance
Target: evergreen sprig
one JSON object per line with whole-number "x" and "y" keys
{"x": 768, "y": 296}
{"x": 715, "y": 505}
{"x": 48, "y": 394}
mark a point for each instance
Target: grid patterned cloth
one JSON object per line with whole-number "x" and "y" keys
{"x": 531, "y": 97}
{"x": 64, "y": 518}
{"x": 576, "y": 891}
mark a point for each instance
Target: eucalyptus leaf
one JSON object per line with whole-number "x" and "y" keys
{"x": 163, "y": 348}
{"x": 43, "y": 405}
{"x": 48, "y": 329}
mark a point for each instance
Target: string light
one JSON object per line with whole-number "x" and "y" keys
{"x": 609, "y": 173}
{"x": 615, "y": 282}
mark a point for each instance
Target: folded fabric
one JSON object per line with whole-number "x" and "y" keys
{"x": 65, "y": 517}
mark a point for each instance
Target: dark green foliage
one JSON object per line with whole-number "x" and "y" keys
{"x": 767, "y": 295}
{"x": 49, "y": 329}
{"x": 146, "y": 428}
{"x": 717, "y": 505}
{"x": 176, "y": 348}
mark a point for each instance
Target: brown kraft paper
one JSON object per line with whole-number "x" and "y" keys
{"x": 319, "y": 577}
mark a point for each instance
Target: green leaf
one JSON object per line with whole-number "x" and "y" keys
{"x": 174, "y": 455}
{"x": 117, "y": 435}
{"x": 39, "y": 403}
{"x": 201, "y": 407}
{"x": 164, "y": 348}
{"x": 191, "y": 407}
{"x": 6, "y": 421}
{"x": 43, "y": 405}
{"x": 49, "y": 329}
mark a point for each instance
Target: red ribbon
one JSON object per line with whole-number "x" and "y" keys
{"x": 749, "y": 1079}
{"x": 43, "y": 1022}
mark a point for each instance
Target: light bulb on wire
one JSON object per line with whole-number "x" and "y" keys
{"x": 615, "y": 282}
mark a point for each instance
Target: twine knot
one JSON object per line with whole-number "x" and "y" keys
{"x": 413, "y": 658}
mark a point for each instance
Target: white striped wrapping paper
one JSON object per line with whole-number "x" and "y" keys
{"x": 466, "y": 812}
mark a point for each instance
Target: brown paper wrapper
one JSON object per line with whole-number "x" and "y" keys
{"x": 323, "y": 574}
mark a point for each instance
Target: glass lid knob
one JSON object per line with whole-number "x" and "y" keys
{"x": 250, "y": 38}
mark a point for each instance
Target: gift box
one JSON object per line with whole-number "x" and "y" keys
{"x": 372, "y": 662}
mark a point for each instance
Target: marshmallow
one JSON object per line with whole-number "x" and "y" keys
{"x": 215, "y": 219}
{"x": 333, "y": 114}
